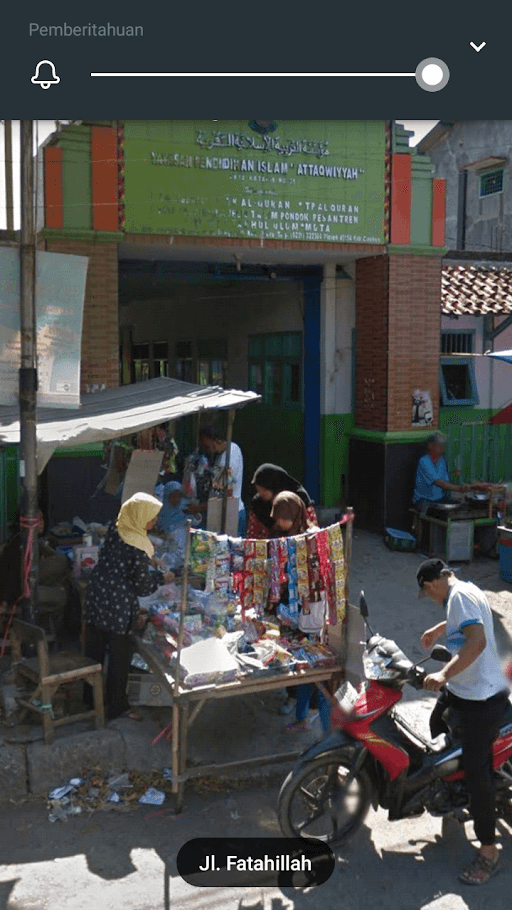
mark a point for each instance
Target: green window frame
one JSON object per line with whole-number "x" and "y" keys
{"x": 212, "y": 361}
{"x": 275, "y": 368}
{"x": 491, "y": 183}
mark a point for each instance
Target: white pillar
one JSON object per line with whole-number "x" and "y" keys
{"x": 337, "y": 304}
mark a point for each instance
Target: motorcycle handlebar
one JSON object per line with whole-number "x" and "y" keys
{"x": 416, "y": 677}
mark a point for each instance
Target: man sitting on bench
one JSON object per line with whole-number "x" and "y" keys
{"x": 432, "y": 485}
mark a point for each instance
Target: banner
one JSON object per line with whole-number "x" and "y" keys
{"x": 59, "y": 291}
{"x": 305, "y": 180}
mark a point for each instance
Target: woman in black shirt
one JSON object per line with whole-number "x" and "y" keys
{"x": 122, "y": 575}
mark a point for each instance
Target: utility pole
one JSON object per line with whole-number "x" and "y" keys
{"x": 9, "y": 205}
{"x": 28, "y": 372}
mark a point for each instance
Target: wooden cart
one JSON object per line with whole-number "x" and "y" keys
{"x": 187, "y": 703}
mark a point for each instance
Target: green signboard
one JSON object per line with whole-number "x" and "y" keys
{"x": 307, "y": 180}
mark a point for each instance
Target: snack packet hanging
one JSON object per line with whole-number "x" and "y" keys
{"x": 301, "y": 559}
{"x": 200, "y": 551}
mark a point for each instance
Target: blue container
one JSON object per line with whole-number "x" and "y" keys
{"x": 399, "y": 540}
{"x": 506, "y": 560}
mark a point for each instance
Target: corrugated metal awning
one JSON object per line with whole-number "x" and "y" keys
{"x": 119, "y": 412}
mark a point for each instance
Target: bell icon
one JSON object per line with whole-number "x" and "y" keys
{"x": 45, "y": 74}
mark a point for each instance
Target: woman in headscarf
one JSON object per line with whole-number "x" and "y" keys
{"x": 172, "y": 520}
{"x": 290, "y": 518}
{"x": 122, "y": 575}
{"x": 268, "y": 481}
{"x": 173, "y": 515}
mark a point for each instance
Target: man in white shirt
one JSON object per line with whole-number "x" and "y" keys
{"x": 215, "y": 445}
{"x": 473, "y": 684}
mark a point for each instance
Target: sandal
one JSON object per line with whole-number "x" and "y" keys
{"x": 479, "y": 870}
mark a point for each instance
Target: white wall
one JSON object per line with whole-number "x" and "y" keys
{"x": 337, "y": 323}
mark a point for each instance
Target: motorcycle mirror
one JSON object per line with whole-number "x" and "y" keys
{"x": 363, "y": 606}
{"x": 440, "y": 653}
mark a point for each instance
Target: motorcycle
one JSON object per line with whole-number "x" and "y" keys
{"x": 373, "y": 756}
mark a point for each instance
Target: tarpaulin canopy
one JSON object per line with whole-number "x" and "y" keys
{"x": 119, "y": 412}
{"x": 501, "y": 355}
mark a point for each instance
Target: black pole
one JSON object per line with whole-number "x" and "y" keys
{"x": 28, "y": 369}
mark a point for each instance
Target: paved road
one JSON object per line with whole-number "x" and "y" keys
{"x": 127, "y": 862}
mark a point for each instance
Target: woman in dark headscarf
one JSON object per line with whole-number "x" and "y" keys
{"x": 268, "y": 481}
{"x": 289, "y": 515}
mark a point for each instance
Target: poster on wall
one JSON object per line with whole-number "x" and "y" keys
{"x": 422, "y": 411}
{"x": 304, "y": 180}
{"x": 59, "y": 292}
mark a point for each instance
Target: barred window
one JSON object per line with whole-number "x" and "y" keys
{"x": 457, "y": 342}
{"x": 491, "y": 183}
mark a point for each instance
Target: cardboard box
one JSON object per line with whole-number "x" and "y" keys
{"x": 214, "y": 516}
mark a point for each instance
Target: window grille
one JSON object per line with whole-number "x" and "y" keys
{"x": 491, "y": 183}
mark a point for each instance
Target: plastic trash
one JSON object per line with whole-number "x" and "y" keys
{"x": 60, "y": 792}
{"x": 167, "y": 774}
{"x": 119, "y": 781}
{"x": 114, "y": 798}
{"x": 74, "y": 810}
{"x": 152, "y": 797}
{"x": 58, "y": 815}
{"x": 76, "y": 782}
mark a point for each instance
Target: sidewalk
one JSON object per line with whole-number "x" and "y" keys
{"x": 242, "y": 727}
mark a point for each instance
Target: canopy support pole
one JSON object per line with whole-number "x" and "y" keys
{"x": 176, "y": 731}
{"x": 348, "y": 551}
{"x": 28, "y": 369}
{"x": 229, "y": 440}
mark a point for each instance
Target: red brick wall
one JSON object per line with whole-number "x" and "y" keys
{"x": 398, "y": 320}
{"x": 371, "y": 342}
{"x": 100, "y": 333}
{"x": 414, "y": 335}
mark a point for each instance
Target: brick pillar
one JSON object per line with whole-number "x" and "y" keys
{"x": 372, "y": 304}
{"x": 398, "y": 320}
{"x": 414, "y": 335}
{"x": 100, "y": 332}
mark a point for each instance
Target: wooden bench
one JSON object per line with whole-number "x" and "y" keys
{"x": 46, "y": 673}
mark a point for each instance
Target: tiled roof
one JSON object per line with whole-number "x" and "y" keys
{"x": 476, "y": 290}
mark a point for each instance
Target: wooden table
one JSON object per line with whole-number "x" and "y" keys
{"x": 190, "y": 702}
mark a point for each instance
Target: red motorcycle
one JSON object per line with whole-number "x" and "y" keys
{"x": 374, "y": 757}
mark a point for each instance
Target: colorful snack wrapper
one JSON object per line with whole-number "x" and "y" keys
{"x": 275, "y": 587}
{"x": 337, "y": 557}
{"x": 200, "y": 551}
{"x": 301, "y": 558}
{"x": 327, "y": 573}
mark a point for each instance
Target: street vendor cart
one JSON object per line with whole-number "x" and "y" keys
{"x": 164, "y": 651}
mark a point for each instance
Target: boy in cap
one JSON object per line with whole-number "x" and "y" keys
{"x": 473, "y": 684}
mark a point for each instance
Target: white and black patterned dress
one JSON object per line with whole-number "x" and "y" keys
{"x": 122, "y": 575}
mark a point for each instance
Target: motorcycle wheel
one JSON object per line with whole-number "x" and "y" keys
{"x": 315, "y": 802}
